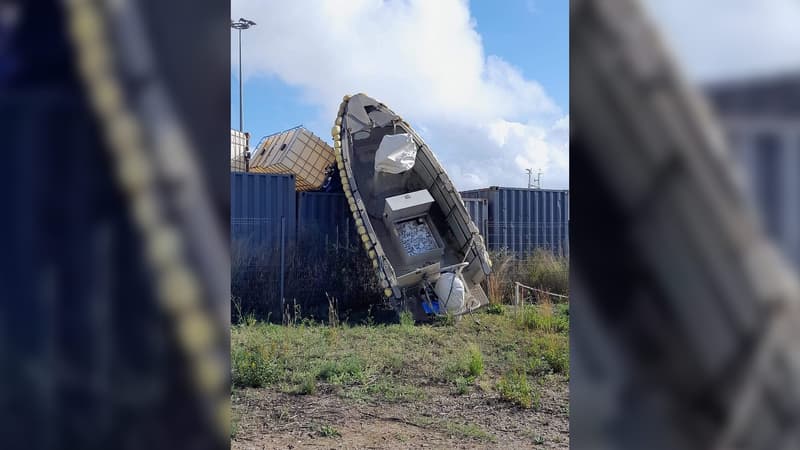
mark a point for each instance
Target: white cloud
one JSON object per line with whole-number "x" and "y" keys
{"x": 720, "y": 39}
{"x": 483, "y": 118}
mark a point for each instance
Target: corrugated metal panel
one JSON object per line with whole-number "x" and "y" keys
{"x": 323, "y": 218}
{"x": 521, "y": 220}
{"x": 297, "y": 151}
{"x": 258, "y": 203}
{"x": 478, "y": 209}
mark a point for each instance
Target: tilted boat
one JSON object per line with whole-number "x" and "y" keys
{"x": 428, "y": 254}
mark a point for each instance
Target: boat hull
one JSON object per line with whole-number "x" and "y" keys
{"x": 360, "y": 127}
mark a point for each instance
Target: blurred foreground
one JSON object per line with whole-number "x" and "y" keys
{"x": 685, "y": 313}
{"x": 114, "y": 275}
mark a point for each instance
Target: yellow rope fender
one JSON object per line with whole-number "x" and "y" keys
{"x": 177, "y": 291}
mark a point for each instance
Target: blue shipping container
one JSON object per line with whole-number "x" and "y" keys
{"x": 478, "y": 209}
{"x": 261, "y": 204}
{"x": 522, "y": 220}
{"x": 324, "y": 218}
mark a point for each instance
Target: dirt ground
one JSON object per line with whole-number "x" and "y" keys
{"x": 266, "y": 419}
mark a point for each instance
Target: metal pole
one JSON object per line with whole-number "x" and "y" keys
{"x": 241, "y": 128}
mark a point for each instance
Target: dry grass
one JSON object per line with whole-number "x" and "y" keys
{"x": 542, "y": 270}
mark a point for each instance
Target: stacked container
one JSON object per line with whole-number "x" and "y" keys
{"x": 239, "y": 146}
{"x": 324, "y": 218}
{"x": 262, "y": 211}
{"x": 296, "y": 151}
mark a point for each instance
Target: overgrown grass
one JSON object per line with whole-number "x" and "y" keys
{"x": 349, "y": 370}
{"x": 542, "y": 270}
{"x": 254, "y": 366}
{"x": 547, "y": 271}
{"x": 542, "y": 317}
{"x": 514, "y": 387}
{"x": 550, "y": 353}
{"x": 401, "y": 362}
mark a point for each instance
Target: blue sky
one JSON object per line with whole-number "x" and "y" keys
{"x": 486, "y": 83}
{"x": 532, "y": 35}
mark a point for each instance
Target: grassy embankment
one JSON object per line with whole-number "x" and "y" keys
{"x": 502, "y": 352}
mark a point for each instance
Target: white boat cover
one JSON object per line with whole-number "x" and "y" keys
{"x": 397, "y": 153}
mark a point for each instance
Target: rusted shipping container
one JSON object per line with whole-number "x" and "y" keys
{"x": 296, "y": 151}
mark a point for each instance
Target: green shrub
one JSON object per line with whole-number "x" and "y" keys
{"x": 562, "y": 310}
{"x": 549, "y": 353}
{"x": 541, "y": 317}
{"x": 253, "y": 366}
{"x": 406, "y": 319}
{"x": 475, "y": 364}
{"x": 329, "y": 431}
{"x": 514, "y": 388}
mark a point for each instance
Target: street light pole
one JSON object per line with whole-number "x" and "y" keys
{"x": 241, "y": 126}
{"x": 239, "y": 25}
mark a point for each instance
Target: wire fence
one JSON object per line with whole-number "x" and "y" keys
{"x": 273, "y": 265}
{"x": 524, "y": 238}
{"x": 297, "y": 277}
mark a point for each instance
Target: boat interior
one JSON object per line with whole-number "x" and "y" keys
{"x": 368, "y": 124}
